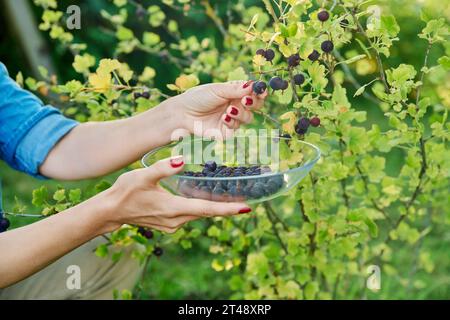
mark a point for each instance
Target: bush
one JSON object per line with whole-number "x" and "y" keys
{"x": 382, "y": 183}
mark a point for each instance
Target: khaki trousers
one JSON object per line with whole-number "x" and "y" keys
{"x": 98, "y": 277}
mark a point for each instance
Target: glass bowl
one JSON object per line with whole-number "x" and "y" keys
{"x": 278, "y": 164}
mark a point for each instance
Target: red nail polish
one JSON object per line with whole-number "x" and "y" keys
{"x": 247, "y": 84}
{"x": 245, "y": 210}
{"x": 176, "y": 163}
{"x": 248, "y": 101}
{"x": 227, "y": 118}
{"x": 234, "y": 111}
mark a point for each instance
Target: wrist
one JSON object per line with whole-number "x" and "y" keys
{"x": 174, "y": 110}
{"x": 160, "y": 123}
{"x": 104, "y": 212}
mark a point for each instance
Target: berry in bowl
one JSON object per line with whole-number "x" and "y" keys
{"x": 240, "y": 169}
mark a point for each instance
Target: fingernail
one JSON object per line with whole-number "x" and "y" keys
{"x": 247, "y": 84}
{"x": 176, "y": 162}
{"x": 245, "y": 210}
{"x": 248, "y": 101}
{"x": 227, "y": 118}
{"x": 234, "y": 111}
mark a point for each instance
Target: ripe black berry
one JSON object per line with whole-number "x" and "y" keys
{"x": 294, "y": 60}
{"x": 261, "y": 52}
{"x": 323, "y": 15}
{"x": 276, "y": 83}
{"x": 137, "y": 95}
{"x": 344, "y": 23}
{"x": 4, "y": 224}
{"x": 146, "y": 233}
{"x": 315, "y": 122}
{"x": 257, "y": 191}
{"x": 302, "y": 126}
{"x": 299, "y": 79}
{"x": 158, "y": 251}
{"x": 146, "y": 95}
{"x": 270, "y": 54}
{"x": 211, "y": 165}
{"x": 313, "y": 56}
{"x": 284, "y": 85}
{"x": 327, "y": 46}
{"x": 259, "y": 87}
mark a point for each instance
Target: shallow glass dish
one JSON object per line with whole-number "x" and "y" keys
{"x": 283, "y": 163}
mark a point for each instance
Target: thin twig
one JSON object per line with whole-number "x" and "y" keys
{"x": 349, "y": 77}
{"x": 24, "y": 215}
{"x": 209, "y": 11}
{"x": 275, "y": 232}
{"x": 366, "y": 188}
{"x": 377, "y": 54}
{"x": 269, "y": 208}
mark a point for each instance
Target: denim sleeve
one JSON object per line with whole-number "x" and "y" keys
{"x": 28, "y": 129}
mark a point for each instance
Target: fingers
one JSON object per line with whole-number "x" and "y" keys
{"x": 205, "y": 208}
{"x": 230, "y": 122}
{"x": 163, "y": 168}
{"x": 255, "y": 101}
{"x": 232, "y": 89}
{"x": 240, "y": 114}
{"x": 171, "y": 225}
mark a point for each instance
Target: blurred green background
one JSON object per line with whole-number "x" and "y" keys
{"x": 188, "y": 274}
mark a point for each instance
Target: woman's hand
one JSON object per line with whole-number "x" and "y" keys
{"x": 137, "y": 199}
{"x": 217, "y": 106}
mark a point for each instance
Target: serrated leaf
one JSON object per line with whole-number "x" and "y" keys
{"x": 101, "y": 251}
{"x": 444, "y": 62}
{"x": 59, "y": 195}
{"x": 237, "y": 74}
{"x": 40, "y": 196}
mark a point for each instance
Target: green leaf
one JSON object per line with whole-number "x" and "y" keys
{"x": 372, "y": 226}
{"x": 156, "y": 16}
{"x": 257, "y": 264}
{"x": 151, "y": 38}
{"x": 102, "y": 186}
{"x": 101, "y": 251}
{"x": 311, "y": 289}
{"x": 59, "y": 195}
{"x": 400, "y": 75}
{"x": 360, "y": 91}
{"x": 237, "y": 74}
{"x": 284, "y": 31}
{"x": 354, "y": 59}
{"x": 40, "y": 196}
{"x": 124, "y": 34}
{"x": 444, "y": 62}
{"x": 43, "y": 71}
{"x": 75, "y": 195}
{"x": 389, "y": 24}
{"x": 292, "y": 29}
{"x": 289, "y": 290}
{"x": 120, "y": 3}
{"x": 435, "y": 31}
{"x": 186, "y": 244}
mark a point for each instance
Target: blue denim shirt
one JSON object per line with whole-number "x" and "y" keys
{"x": 28, "y": 129}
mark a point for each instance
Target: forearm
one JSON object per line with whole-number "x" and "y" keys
{"x": 26, "y": 250}
{"x": 97, "y": 148}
